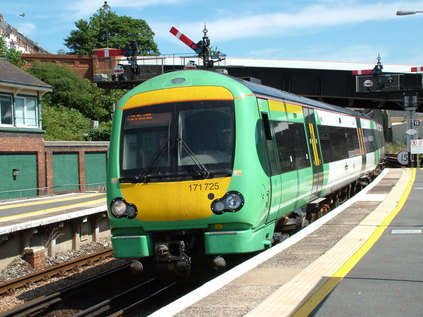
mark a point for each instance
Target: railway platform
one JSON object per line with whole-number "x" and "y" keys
{"x": 55, "y": 224}
{"x": 363, "y": 258}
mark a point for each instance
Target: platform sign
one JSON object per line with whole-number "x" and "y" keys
{"x": 402, "y": 157}
{"x": 416, "y": 146}
{"x": 384, "y": 82}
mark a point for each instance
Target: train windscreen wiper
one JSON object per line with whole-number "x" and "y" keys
{"x": 143, "y": 176}
{"x": 204, "y": 172}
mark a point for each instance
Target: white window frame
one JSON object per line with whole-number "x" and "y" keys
{"x": 26, "y": 120}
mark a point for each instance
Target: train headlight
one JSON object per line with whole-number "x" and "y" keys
{"x": 120, "y": 208}
{"x": 231, "y": 202}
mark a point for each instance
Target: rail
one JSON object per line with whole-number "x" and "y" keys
{"x": 54, "y": 270}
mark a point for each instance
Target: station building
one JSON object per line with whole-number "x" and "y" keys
{"x": 31, "y": 166}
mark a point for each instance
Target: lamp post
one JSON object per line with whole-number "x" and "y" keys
{"x": 407, "y": 12}
{"x": 106, "y": 8}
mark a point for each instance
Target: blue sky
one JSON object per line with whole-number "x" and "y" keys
{"x": 337, "y": 30}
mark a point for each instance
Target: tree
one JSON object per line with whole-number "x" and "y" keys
{"x": 106, "y": 27}
{"x": 3, "y": 47}
{"x": 64, "y": 124}
{"x": 76, "y": 102}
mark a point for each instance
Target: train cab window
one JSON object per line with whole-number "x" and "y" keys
{"x": 207, "y": 134}
{"x": 176, "y": 141}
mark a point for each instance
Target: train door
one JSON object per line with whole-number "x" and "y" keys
{"x": 362, "y": 146}
{"x": 317, "y": 164}
{"x": 274, "y": 170}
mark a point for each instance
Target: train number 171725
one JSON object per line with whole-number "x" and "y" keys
{"x": 203, "y": 186}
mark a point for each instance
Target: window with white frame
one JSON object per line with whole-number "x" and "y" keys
{"x": 6, "y": 110}
{"x": 26, "y": 112}
{"x": 20, "y": 111}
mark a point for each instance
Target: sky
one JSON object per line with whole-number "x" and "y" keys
{"x": 320, "y": 30}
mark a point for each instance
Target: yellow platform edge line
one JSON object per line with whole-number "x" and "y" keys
{"x": 51, "y": 209}
{"x": 322, "y": 292}
{"x": 44, "y": 202}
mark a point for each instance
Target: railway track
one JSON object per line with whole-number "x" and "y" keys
{"x": 113, "y": 293}
{"x": 12, "y": 285}
{"x": 117, "y": 292}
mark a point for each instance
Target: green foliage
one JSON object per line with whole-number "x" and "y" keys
{"x": 70, "y": 91}
{"x": 106, "y": 26}
{"x": 63, "y": 124}
{"x": 78, "y": 95}
{"x": 395, "y": 148}
{"x": 101, "y": 134}
{"x": 3, "y": 47}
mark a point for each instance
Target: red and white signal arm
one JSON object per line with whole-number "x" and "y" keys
{"x": 362, "y": 72}
{"x": 118, "y": 70}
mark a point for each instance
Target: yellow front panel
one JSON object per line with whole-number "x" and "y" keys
{"x": 178, "y": 94}
{"x": 174, "y": 201}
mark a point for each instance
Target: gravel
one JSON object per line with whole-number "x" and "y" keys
{"x": 19, "y": 268}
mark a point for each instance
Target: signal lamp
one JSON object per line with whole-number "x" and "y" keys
{"x": 231, "y": 202}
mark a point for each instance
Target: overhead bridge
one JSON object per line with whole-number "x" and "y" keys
{"x": 328, "y": 81}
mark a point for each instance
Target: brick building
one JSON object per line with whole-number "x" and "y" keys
{"x": 15, "y": 39}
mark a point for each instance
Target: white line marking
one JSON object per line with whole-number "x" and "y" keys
{"x": 406, "y": 231}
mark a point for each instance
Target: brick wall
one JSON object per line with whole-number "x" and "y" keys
{"x": 83, "y": 65}
{"x": 81, "y": 148}
{"x": 86, "y": 66}
{"x": 25, "y": 142}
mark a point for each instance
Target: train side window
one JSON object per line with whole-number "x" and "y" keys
{"x": 353, "y": 144}
{"x": 300, "y": 148}
{"x": 368, "y": 140}
{"x": 333, "y": 142}
{"x": 284, "y": 145}
{"x": 266, "y": 125}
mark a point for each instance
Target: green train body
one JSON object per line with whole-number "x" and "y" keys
{"x": 201, "y": 163}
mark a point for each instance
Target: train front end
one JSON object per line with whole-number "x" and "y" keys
{"x": 171, "y": 187}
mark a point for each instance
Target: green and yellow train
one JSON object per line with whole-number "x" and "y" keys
{"x": 202, "y": 164}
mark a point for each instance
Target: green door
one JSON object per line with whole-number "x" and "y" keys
{"x": 314, "y": 144}
{"x": 95, "y": 170}
{"x": 18, "y": 175}
{"x": 65, "y": 172}
{"x": 275, "y": 177}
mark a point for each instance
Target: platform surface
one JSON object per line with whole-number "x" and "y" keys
{"x": 23, "y": 214}
{"x": 362, "y": 259}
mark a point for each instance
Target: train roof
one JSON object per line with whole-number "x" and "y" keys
{"x": 280, "y": 94}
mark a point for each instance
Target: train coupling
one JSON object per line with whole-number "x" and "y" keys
{"x": 172, "y": 257}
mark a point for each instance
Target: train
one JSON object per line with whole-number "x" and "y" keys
{"x": 203, "y": 165}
